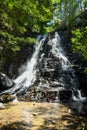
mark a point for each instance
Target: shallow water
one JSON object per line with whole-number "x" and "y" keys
{"x": 40, "y": 116}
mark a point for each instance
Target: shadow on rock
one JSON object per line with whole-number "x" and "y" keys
{"x": 17, "y": 126}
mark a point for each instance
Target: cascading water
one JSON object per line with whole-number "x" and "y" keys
{"x": 56, "y": 69}
{"x": 67, "y": 69}
{"x": 28, "y": 76}
{"x": 53, "y": 67}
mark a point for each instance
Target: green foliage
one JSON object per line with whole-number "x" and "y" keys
{"x": 21, "y": 19}
{"x": 85, "y": 70}
{"x": 13, "y": 43}
{"x": 79, "y": 42}
{"x": 68, "y": 10}
{"x": 18, "y": 17}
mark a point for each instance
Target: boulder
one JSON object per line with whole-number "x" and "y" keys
{"x": 6, "y": 98}
{"x": 5, "y": 82}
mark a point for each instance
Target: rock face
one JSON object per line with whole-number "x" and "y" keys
{"x": 78, "y": 64}
{"x": 5, "y": 82}
{"x": 54, "y": 73}
{"x": 65, "y": 95}
{"x": 50, "y": 63}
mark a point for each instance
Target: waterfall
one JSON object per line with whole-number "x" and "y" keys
{"x": 58, "y": 51}
{"x": 53, "y": 68}
{"x": 65, "y": 78}
{"x": 28, "y": 76}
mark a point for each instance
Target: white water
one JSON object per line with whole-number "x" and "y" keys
{"x": 28, "y": 76}
{"x": 79, "y": 97}
{"x": 58, "y": 51}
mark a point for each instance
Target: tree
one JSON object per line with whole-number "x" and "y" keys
{"x": 19, "y": 20}
{"x": 67, "y": 10}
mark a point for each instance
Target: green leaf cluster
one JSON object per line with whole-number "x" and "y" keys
{"x": 19, "y": 21}
{"x": 22, "y": 15}
{"x": 79, "y": 43}
{"x": 9, "y": 41}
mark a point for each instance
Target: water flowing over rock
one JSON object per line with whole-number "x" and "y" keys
{"x": 48, "y": 74}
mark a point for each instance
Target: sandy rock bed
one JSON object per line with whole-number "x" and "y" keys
{"x": 40, "y": 116}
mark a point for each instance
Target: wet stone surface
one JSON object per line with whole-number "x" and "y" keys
{"x": 44, "y": 94}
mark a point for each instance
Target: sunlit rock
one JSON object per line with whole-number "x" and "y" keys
{"x": 1, "y": 107}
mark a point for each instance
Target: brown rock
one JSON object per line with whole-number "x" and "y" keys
{"x": 6, "y": 98}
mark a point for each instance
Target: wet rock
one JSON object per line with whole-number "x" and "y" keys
{"x": 5, "y": 82}
{"x": 46, "y": 74}
{"x": 65, "y": 95}
{"x": 84, "y": 109}
{"x": 39, "y": 95}
{"x": 56, "y": 84}
{"x": 6, "y": 98}
{"x": 79, "y": 108}
{"x": 54, "y": 71}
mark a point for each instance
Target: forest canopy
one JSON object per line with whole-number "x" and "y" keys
{"x": 21, "y": 20}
